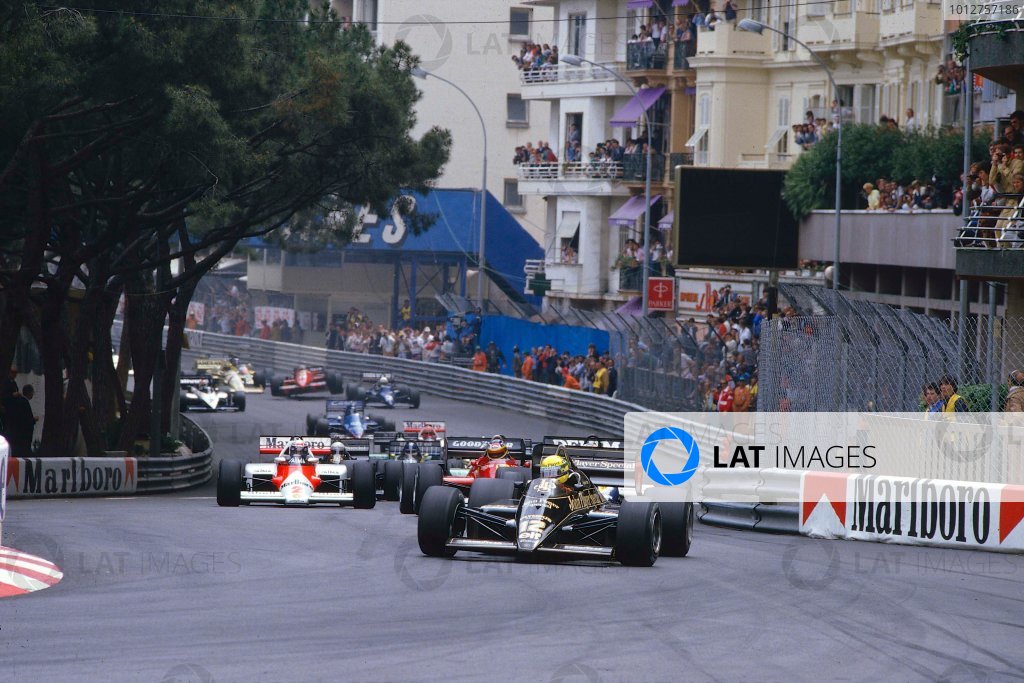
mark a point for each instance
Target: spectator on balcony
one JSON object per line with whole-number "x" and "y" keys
{"x": 712, "y": 18}
{"x": 568, "y": 254}
{"x": 873, "y": 197}
{"x": 911, "y": 124}
{"x": 1005, "y": 166}
{"x": 573, "y": 135}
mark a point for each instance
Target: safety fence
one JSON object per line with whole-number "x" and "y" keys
{"x": 590, "y": 412}
{"x": 174, "y": 472}
{"x": 859, "y": 356}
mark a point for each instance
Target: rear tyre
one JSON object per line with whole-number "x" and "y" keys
{"x": 427, "y": 475}
{"x": 364, "y": 486}
{"x": 638, "y": 534}
{"x": 229, "y": 483}
{"x": 352, "y": 392}
{"x": 321, "y": 427}
{"x": 392, "y": 479}
{"x": 385, "y": 425}
{"x": 334, "y": 383}
{"x": 438, "y": 522}
{"x": 259, "y": 379}
{"x": 677, "y": 528}
{"x": 239, "y": 399}
{"x": 408, "y": 490}
{"x": 276, "y": 382}
{"x": 311, "y": 422}
{"x": 515, "y": 474}
{"x": 414, "y": 399}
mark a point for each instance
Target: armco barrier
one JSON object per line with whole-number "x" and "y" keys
{"x": 171, "y": 473}
{"x": 5, "y": 452}
{"x": 590, "y": 412}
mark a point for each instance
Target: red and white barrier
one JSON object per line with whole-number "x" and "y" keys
{"x": 60, "y": 477}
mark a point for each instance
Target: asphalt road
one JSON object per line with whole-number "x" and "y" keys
{"x": 173, "y": 588}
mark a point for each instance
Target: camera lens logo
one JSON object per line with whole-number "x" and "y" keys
{"x": 689, "y": 445}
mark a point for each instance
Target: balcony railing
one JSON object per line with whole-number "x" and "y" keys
{"x": 634, "y": 167}
{"x": 682, "y": 52}
{"x": 994, "y": 226}
{"x": 563, "y": 73}
{"x": 679, "y": 159}
{"x": 570, "y": 170}
{"x": 643, "y": 56}
{"x": 630, "y": 279}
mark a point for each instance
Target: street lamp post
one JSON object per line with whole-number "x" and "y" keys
{"x": 757, "y": 27}
{"x": 481, "y": 273}
{"x": 575, "y": 60}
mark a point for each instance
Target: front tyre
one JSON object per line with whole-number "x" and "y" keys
{"x": 677, "y": 525}
{"x": 408, "y": 490}
{"x": 335, "y": 385}
{"x": 364, "y": 485}
{"x": 239, "y": 400}
{"x": 392, "y": 479}
{"x": 229, "y": 483}
{"x": 638, "y": 534}
{"x": 414, "y": 399}
{"x": 427, "y": 475}
{"x": 438, "y": 521}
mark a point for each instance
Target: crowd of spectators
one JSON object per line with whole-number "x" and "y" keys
{"x": 951, "y": 77}
{"x": 537, "y": 57}
{"x": 528, "y": 154}
{"x": 892, "y": 196}
{"x": 459, "y": 337}
{"x": 634, "y": 255}
{"x": 812, "y": 129}
{"x": 995, "y": 192}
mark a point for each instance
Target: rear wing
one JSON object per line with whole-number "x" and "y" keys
{"x": 600, "y": 458}
{"x": 339, "y": 406}
{"x": 414, "y": 428}
{"x": 318, "y": 445}
{"x": 472, "y": 447}
{"x": 368, "y": 377}
{"x": 210, "y": 364}
{"x": 431, "y": 449}
{"x": 195, "y": 380}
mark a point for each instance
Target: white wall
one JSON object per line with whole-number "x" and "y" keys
{"x": 477, "y": 54}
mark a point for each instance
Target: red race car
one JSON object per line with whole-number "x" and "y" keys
{"x": 465, "y": 459}
{"x": 305, "y": 380}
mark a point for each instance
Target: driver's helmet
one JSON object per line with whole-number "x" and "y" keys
{"x": 555, "y": 467}
{"x": 298, "y": 447}
{"x": 412, "y": 451}
{"x": 338, "y": 451}
{"x": 383, "y": 381}
{"x": 428, "y": 434}
{"x": 234, "y": 361}
{"x": 497, "y": 448}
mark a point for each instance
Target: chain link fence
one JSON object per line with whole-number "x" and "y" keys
{"x": 851, "y": 355}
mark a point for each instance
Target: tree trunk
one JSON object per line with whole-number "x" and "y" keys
{"x": 144, "y": 318}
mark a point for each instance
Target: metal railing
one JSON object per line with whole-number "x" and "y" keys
{"x": 564, "y": 73}
{"x": 172, "y": 473}
{"x": 570, "y": 170}
{"x": 644, "y": 56}
{"x": 634, "y": 167}
{"x": 994, "y": 226}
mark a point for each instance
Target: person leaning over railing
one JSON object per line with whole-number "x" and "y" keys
{"x": 1010, "y": 226}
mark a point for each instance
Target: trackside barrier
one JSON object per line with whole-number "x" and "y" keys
{"x": 5, "y": 452}
{"x": 171, "y": 473}
{"x": 724, "y": 491}
{"x": 590, "y": 412}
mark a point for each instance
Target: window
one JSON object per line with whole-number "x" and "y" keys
{"x": 369, "y": 14}
{"x": 866, "y": 106}
{"x": 513, "y": 199}
{"x": 517, "y": 109}
{"x": 577, "y": 34}
{"x": 519, "y": 22}
{"x": 704, "y": 116}
{"x": 759, "y": 11}
{"x": 784, "y": 112}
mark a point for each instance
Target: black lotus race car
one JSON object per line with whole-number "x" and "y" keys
{"x": 347, "y": 418}
{"x": 550, "y": 518}
{"x": 382, "y": 392}
{"x": 306, "y": 380}
{"x": 203, "y": 392}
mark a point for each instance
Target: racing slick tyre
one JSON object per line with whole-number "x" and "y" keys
{"x": 229, "y": 483}
{"x": 276, "y": 382}
{"x": 392, "y": 479}
{"x": 483, "y": 492}
{"x": 438, "y": 521}
{"x": 364, "y": 488}
{"x": 259, "y": 379}
{"x": 427, "y": 475}
{"x": 638, "y": 534}
{"x": 334, "y": 383}
{"x": 321, "y": 427}
{"x": 353, "y": 393}
{"x": 677, "y": 528}
{"x": 407, "y": 493}
{"x": 414, "y": 399}
{"x": 518, "y": 475}
{"x": 239, "y": 400}
{"x": 385, "y": 425}
{"x": 310, "y": 422}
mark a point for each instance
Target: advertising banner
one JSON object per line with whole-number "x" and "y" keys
{"x": 698, "y": 295}
{"x": 59, "y": 477}
{"x": 272, "y": 314}
{"x": 661, "y": 294}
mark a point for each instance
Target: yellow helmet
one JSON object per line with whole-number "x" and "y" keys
{"x": 496, "y": 447}
{"x": 555, "y": 467}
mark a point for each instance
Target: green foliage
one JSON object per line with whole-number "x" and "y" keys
{"x": 871, "y": 152}
{"x": 979, "y": 397}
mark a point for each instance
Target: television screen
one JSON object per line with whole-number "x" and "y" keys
{"x": 733, "y": 218}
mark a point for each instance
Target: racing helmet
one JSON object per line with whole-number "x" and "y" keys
{"x": 383, "y": 381}
{"x": 496, "y": 447}
{"x": 428, "y": 434}
{"x": 338, "y": 451}
{"x": 298, "y": 447}
{"x": 412, "y": 451}
{"x": 555, "y": 467}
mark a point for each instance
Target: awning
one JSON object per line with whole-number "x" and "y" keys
{"x": 666, "y": 221}
{"x": 634, "y": 306}
{"x": 680, "y": 3}
{"x": 631, "y": 210}
{"x": 696, "y": 137}
{"x": 640, "y": 4}
{"x": 568, "y": 226}
{"x": 776, "y": 136}
{"x": 635, "y": 108}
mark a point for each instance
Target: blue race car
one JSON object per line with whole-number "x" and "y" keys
{"x": 382, "y": 391}
{"x": 347, "y": 418}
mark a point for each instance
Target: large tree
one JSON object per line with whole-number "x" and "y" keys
{"x": 131, "y": 141}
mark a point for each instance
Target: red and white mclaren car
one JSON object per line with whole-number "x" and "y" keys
{"x": 305, "y": 380}
{"x": 305, "y": 471}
